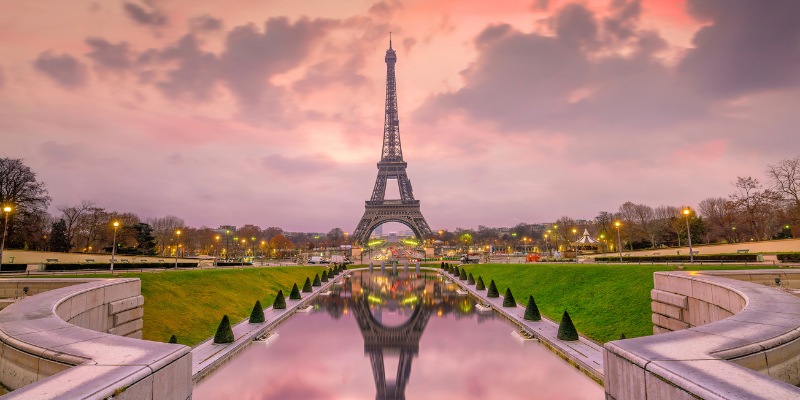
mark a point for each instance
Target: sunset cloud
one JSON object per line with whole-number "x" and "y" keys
{"x": 512, "y": 111}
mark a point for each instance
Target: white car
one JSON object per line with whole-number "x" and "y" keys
{"x": 318, "y": 260}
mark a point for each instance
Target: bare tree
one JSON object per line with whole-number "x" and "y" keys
{"x": 164, "y": 230}
{"x": 720, "y": 218}
{"x": 73, "y": 218}
{"x": 757, "y": 206}
{"x": 28, "y": 222}
{"x": 785, "y": 178}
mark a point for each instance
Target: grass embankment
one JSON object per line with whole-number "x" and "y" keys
{"x": 604, "y": 301}
{"x": 190, "y": 304}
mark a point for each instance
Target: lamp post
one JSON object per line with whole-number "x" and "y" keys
{"x": 6, "y": 210}
{"x": 686, "y": 212}
{"x": 555, "y": 229}
{"x": 177, "y": 246}
{"x": 114, "y": 245}
{"x": 575, "y": 242}
{"x": 220, "y": 250}
{"x": 619, "y": 240}
{"x": 227, "y": 240}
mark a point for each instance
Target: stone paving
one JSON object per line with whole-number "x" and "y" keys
{"x": 583, "y": 354}
{"x": 207, "y": 355}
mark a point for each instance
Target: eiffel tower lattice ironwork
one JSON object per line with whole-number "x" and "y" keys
{"x": 379, "y": 210}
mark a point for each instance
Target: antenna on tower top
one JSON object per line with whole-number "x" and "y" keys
{"x": 390, "y": 40}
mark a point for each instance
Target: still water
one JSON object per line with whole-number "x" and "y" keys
{"x": 403, "y": 337}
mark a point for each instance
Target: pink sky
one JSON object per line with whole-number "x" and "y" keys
{"x": 271, "y": 112}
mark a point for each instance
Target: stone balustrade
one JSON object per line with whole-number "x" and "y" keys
{"x": 719, "y": 335}
{"x": 79, "y": 339}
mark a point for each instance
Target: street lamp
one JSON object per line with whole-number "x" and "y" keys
{"x": 220, "y": 250}
{"x": 686, "y": 212}
{"x": 114, "y": 245}
{"x": 7, "y": 210}
{"x": 177, "y": 245}
{"x": 575, "y": 242}
{"x": 619, "y": 240}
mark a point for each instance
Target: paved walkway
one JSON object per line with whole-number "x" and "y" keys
{"x": 583, "y": 354}
{"x": 207, "y": 355}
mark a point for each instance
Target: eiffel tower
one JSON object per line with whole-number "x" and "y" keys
{"x": 379, "y": 210}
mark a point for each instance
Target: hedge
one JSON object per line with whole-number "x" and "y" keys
{"x": 674, "y": 258}
{"x": 107, "y": 266}
{"x": 782, "y": 257}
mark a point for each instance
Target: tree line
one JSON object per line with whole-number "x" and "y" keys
{"x": 753, "y": 211}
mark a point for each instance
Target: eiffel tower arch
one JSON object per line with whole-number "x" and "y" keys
{"x": 379, "y": 210}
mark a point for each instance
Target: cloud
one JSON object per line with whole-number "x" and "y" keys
{"x": 251, "y": 57}
{"x": 141, "y": 16}
{"x": 749, "y": 46}
{"x": 63, "y": 69}
{"x": 385, "y": 9}
{"x": 109, "y": 56}
{"x": 585, "y": 80}
{"x": 196, "y": 74}
{"x": 205, "y": 23}
{"x": 576, "y": 26}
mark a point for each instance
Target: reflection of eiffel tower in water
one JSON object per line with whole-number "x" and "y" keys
{"x": 381, "y": 340}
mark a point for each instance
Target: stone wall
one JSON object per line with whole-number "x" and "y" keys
{"x": 716, "y": 338}
{"x": 72, "y": 339}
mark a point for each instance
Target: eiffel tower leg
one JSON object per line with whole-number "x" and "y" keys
{"x": 378, "y": 373}
{"x": 403, "y": 373}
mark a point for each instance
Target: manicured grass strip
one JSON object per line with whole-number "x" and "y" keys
{"x": 190, "y": 304}
{"x": 603, "y": 301}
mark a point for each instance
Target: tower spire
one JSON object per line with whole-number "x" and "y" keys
{"x": 390, "y": 40}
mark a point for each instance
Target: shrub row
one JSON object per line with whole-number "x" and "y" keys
{"x": 674, "y": 258}
{"x": 224, "y": 332}
{"x": 782, "y": 257}
{"x": 566, "y": 328}
{"x": 117, "y": 266}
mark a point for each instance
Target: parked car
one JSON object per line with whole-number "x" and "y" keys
{"x": 318, "y": 260}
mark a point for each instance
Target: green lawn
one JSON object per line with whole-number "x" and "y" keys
{"x": 190, "y": 304}
{"x": 602, "y": 300}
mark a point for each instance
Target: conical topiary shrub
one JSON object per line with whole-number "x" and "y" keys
{"x": 280, "y": 301}
{"x": 492, "y": 290}
{"x": 173, "y": 339}
{"x": 480, "y": 285}
{"x": 344, "y": 267}
{"x": 470, "y": 279}
{"x": 456, "y": 271}
{"x": 307, "y": 286}
{"x": 508, "y": 299}
{"x": 463, "y": 275}
{"x": 257, "y": 315}
{"x": 295, "y": 293}
{"x": 224, "y": 332}
{"x": 442, "y": 264}
{"x": 532, "y": 311}
{"x": 566, "y": 329}
{"x": 621, "y": 336}
{"x": 316, "y": 282}
{"x": 325, "y": 276}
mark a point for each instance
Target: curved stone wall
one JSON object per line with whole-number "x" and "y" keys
{"x": 722, "y": 338}
{"x": 69, "y": 342}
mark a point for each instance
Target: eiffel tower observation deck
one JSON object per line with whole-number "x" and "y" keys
{"x": 378, "y": 209}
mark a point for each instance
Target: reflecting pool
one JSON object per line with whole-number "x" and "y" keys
{"x": 396, "y": 337}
